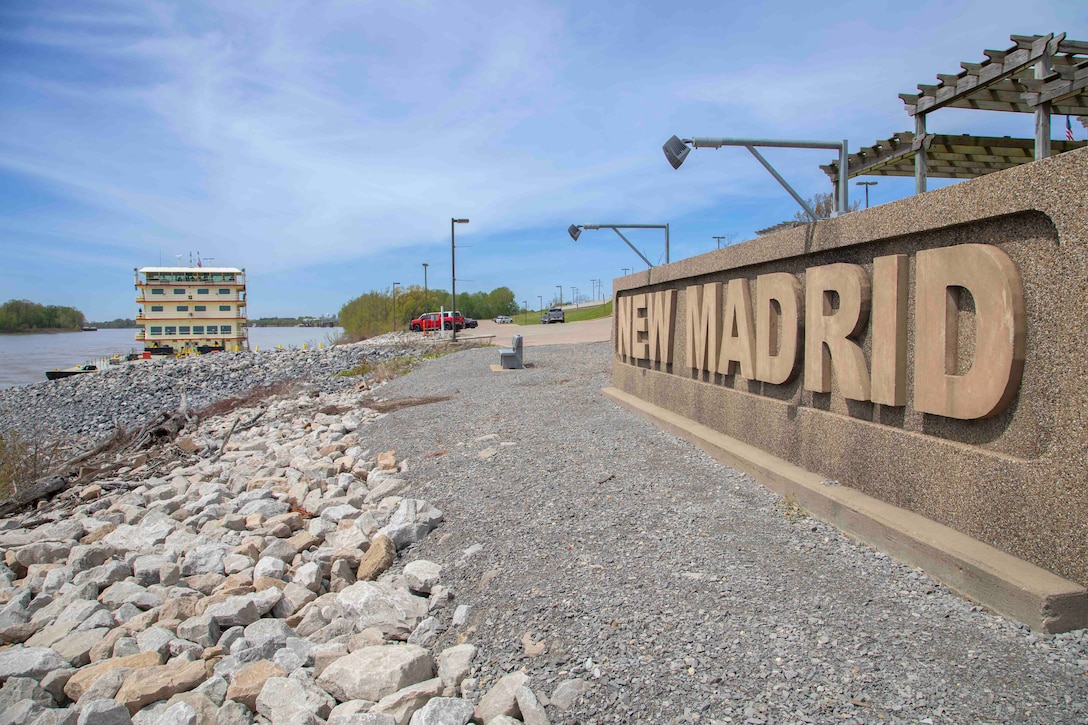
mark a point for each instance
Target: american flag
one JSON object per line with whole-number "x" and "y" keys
{"x": 1068, "y": 129}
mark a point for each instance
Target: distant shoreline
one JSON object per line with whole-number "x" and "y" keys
{"x": 42, "y": 331}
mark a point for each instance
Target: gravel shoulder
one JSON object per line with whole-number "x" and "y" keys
{"x": 594, "y": 547}
{"x": 677, "y": 587}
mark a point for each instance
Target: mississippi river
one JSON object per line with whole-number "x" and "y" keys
{"x": 25, "y": 358}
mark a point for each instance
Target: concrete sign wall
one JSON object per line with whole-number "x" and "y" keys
{"x": 931, "y": 353}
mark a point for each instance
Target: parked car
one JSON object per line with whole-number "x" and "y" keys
{"x": 555, "y": 314}
{"x": 469, "y": 322}
{"x": 503, "y": 320}
{"x": 430, "y": 321}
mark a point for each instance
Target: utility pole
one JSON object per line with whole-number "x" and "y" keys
{"x": 560, "y": 288}
{"x": 719, "y": 240}
{"x": 625, "y": 270}
{"x": 426, "y": 296}
{"x": 541, "y": 299}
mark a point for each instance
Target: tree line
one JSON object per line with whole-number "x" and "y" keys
{"x": 26, "y": 316}
{"x": 372, "y": 313}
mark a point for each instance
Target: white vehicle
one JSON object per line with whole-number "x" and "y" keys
{"x": 555, "y": 314}
{"x": 503, "y": 320}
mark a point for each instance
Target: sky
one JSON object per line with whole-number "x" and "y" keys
{"x": 325, "y": 146}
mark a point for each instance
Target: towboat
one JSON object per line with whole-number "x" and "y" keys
{"x": 58, "y": 373}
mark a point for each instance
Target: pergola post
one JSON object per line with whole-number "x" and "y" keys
{"x": 1042, "y": 113}
{"x": 919, "y": 153}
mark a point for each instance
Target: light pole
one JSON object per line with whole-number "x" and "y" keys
{"x": 560, "y": 288}
{"x": 426, "y": 296}
{"x": 453, "y": 273}
{"x": 625, "y": 270}
{"x": 541, "y": 299}
{"x": 395, "y": 306}
{"x": 574, "y": 296}
{"x": 575, "y": 231}
{"x": 524, "y": 311}
{"x": 677, "y": 149}
{"x": 867, "y": 184}
{"x": 719, "y": 240}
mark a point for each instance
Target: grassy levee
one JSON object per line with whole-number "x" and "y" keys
{"x": 578, "y": 315}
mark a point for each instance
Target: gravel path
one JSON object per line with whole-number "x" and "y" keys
{"x": 679, "y": 589}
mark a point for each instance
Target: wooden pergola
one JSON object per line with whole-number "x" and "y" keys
{"x": 1044, "y": 75}
{"x": 946, "y": 156}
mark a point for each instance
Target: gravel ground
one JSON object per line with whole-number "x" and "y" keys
{"x": 678, "y": 588}
{"x": 83, "y": 409}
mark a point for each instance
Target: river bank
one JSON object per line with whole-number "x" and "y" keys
{"x": 24, "y": 358}
{"x": 624, "y": 574}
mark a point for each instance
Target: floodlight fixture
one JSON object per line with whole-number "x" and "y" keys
{"x": 575, "y": 230}
{"x": 677, "y": 149}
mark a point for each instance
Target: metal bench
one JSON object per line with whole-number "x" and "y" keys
{"x": 510, "y": 357}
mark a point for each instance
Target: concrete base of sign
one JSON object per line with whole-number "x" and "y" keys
{"x": 1009, "y": 586}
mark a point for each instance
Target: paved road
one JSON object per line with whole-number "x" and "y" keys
{"x": 535, "y": 335}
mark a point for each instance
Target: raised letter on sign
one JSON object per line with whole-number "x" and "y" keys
{"x": 990, "y": 384}
{"x": 661, "y": 316}
{"x": 623, "y": 328}
{"x": 778, "y": 322}
{"x": 640, "y": 328}
{"x": 738, "y": 342}
{"x": 889, "y": 330}
{"x": 828, "y": 331}
{"x": 704, "y": 304}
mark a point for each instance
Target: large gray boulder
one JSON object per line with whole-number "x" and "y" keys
{"x": 32, "y": 662}
{"x": 394, "y": 612}
{"x": 371, "y": 673}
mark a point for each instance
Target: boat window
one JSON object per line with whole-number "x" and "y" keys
{"x": 156, "y": 308}
{"x": 224, "y": 291}
{"x": 158, "y": 291}
{"x": 202, "y": 291}
{"x": 183, "y": 330}
{"x": 198, "y": 329}
{"x": 183, "y": 308}
{"x": 156, "y": 330}
{"x": 224, "y": 308}
{"x": 224, "y": 329}
{"x": 200, "y": 308}
{"x": 171, "y": 330}
{"x": 179, "y": 291}
{"x": 213, "y": 330}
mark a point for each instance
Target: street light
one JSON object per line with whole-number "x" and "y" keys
{"x": 395, "y": 306}
{"x": 677, "y": 149}
{"x": 453, "y": 274}
{"x": 541, "y": 300}
{"x": 575, "y": 231}
{"x": 867, "y": 184}
{"x": 426, "y": 296}
{"x": 574, "y": 296}
{"x": 524, "y": 311}
{"x": 560, "y": 288}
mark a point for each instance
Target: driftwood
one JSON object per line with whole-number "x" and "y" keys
{"x": 42, "y": 488}
{"x": 84, "y": 468}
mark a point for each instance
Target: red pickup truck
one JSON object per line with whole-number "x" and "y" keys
{"x": 430, "y": 321}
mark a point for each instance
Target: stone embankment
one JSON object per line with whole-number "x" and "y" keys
{"x": 255, "y": 584}
{"x": 85, "y": 408}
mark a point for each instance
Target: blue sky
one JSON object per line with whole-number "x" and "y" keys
{"x": 324, "y": 146}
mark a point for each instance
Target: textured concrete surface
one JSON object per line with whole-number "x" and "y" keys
{"x": 1004, "y": 584}
{"x": 1016, "y": 481}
